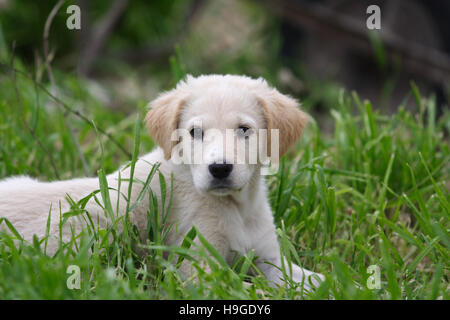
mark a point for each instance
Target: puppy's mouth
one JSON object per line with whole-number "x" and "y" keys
{"x": 221, "y": 188}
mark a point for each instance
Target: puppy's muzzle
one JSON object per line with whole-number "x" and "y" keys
{"x": 219, "y": 170}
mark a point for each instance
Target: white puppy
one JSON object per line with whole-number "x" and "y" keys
{"x": 222, "y": 193}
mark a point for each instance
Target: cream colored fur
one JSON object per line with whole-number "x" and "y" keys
{"x": 235, "y": 219}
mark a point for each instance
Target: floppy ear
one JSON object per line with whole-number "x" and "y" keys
{"x": 281, "y": 112}
{"x": 162, "y": 119}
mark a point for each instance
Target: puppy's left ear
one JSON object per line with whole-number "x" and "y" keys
{"x": 162, "y": 119}
{"x": 281, "y": 112}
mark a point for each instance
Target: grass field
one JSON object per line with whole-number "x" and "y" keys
{"x": 372, "y": 193}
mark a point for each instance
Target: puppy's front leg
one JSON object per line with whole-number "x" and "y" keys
{"x": 270, "y": 263}
{"x": 213, "y": 235}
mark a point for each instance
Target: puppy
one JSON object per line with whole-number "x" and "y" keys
{"x": 206, "y": 129}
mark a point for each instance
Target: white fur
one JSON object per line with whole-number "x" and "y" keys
{"x": 237, "y": 219}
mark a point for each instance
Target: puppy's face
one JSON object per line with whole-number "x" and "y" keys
{"x": 222, "y": 122}
{"x": 213, "y": 127}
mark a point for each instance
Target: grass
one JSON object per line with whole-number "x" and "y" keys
{"x": 373, "y": 193}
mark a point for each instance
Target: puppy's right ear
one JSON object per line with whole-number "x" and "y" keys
{"x": 162, "y": 119}
{"x": 282, "y": 113}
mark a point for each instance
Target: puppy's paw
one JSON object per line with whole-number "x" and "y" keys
{"x": 307, "y": 279}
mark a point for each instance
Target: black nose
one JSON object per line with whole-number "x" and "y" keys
{"x": 220, "y": 171}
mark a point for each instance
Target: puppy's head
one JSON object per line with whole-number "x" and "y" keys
{"x": 221, "y": 128}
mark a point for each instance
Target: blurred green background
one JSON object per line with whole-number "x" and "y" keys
{"x": 293, "y": 44}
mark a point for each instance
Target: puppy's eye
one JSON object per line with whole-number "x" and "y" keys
{"x": 243, "y": 128}
{"x": 244, "y": 131}
{"x": 196, "y": 133}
